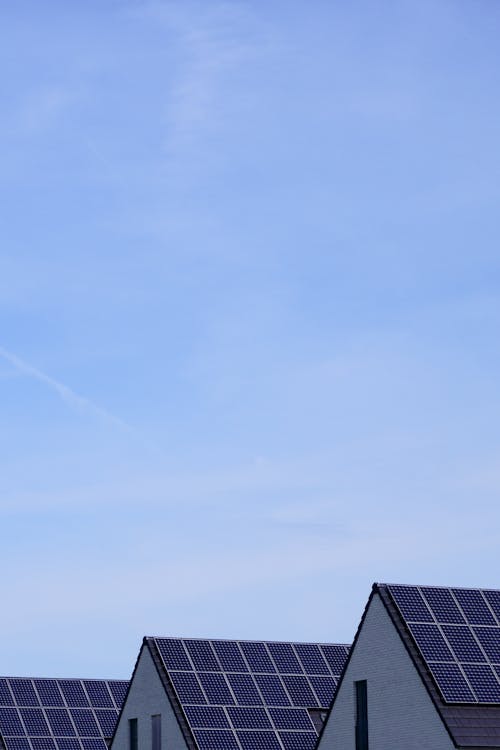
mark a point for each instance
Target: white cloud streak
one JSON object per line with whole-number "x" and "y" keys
{"x": 66, "y": 394}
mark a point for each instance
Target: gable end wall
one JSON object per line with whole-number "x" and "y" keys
{"x": 400, "y": 711}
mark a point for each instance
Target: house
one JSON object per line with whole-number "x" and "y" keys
{"x": 193, "y": 694}
{"x": 423, "y": 672}
{"x": 50, "y": 714}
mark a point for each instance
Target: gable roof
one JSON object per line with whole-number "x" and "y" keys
{"x": 248, "y": 695}
{"x": 453, "y": 638}
{"x": 58, "y": 714}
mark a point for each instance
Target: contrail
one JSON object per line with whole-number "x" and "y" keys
{"x": 79, "y": 403}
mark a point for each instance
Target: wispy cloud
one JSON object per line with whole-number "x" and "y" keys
{"x": 66, "y": 394}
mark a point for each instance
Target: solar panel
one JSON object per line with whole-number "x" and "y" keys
{"x": 461, "y": 644}
{"x": 34, "y": 714}
{"x": 251, "y": 695}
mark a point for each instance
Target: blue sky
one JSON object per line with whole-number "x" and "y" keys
{"x": 249, "y": 312}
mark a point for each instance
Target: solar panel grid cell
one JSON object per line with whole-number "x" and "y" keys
{"x": 118, "y": 689}
{"x": 73, "y": 693}
{"x": 296, "y": 741}
{"x": 216, "y": 739}
{"x": 311, "y": 659}
{"x": 106, "y": 719}
{"x": 60, "y": 722}
{"x": 34, "y": 721}
{"x": 216, "y": 688}
{"x": 43, "y": 743}
{"x": 493, "y": 599}
{"x": 443, "y": 605}
{"x": 291, "y": 718}
{"x": 24, "y": 692}
{"x": 248, "y": 718}
{"x": 6, "y": 698}
{"x": 188, "y": 688}
{"x": 483, "y": 682}
{"x": 285, "y": 658}
{"x": 85, "y": 723}
{"x": 10, "y": 723}
{"x": 98, "y": 694}
{"x": 257, "y": 657}
{"x": 474, "y": 606}
{"x": 68, "y": 743}
{"x": 324, "y": 687}
{"x": 49, "y": 693}
{"x": 335, "y": 656}
{"x": 411, "y": 603}
{"x": 202, "y": 655}
{"x": 431, "y": 642}
{"x": 244, "y": 689}
{"x": 208, "y": 717}
{"x": 258, "y": 740}
{"x": 299, "y": 691}
{"x": 489, "y": 638}
{"x": 17, "y": 743}
{"x": 230, "y": 656}
{"x": 173, "y": 653}
{"x": 463, "y": 644}
{"x": 93, "y": 743}
{"x": 452, "y": 683}
{"x": 272, "y": 690}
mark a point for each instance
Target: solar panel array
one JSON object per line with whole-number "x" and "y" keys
{"x": 245, "y": 695}
{"x": 458, "y": 634}
{"x": 49, "y": 714}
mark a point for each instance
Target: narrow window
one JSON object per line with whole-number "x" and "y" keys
{"x": 156, "y": 732}
{"x": 132, "y": 733}
{"x": 361, "y": 715}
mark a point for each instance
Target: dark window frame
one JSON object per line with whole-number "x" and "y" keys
{"x": 361, "y": 697}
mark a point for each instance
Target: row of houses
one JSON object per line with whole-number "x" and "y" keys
{"x": 423, "y": 672}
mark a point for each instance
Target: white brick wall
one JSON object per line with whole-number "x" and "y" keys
{"x": 147, "y": 697}
{"x": 401, "y": 715}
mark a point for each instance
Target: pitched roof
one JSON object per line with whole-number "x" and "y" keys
{"x": 64, "y": 714}
{"x": 248, "y": 695}
{"x": 453, "y": 638}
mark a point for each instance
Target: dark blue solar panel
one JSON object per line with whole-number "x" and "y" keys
{"x": 451, "y": 682}
{"x": 298, "y": 741}
{"x": 74, "y": 693}
{"x": 324, "y": 687}
{"x": 431, "y": 642}
{"x": 49, "y": 693}
{"x": 216, "y": 688}
{"x": 311, "y": 658}
{"x": 85, "y": 723}
{"x": 258, "y": 740}
{"x": 411, "y": 604}
{"x": 98, "y": 693}
{"x": 215, "y": 739}
{"x": 202, "y": 656}
{"x": 483, "y": 682}
{"x": 248, "y": 718}
{"x": 43, "y": 743}
{"x": 34, "y": 721}
{"x": 443, "y": 605}
{"x": 118, "y": 690}
{"x": 207, "y": 717}
{"x": 493, "y": 599}
{"x": 10, "y": 723}
{"x": 24, "y": 692}
{"x": 272, "y": 689}
{"x": 230, "y": 657}
{"x": 6, "y": 698}
{"x": 107, "y": 720}
{"x": 244, "y": 689}
{"x": 336, "y": 657}
{"x": 68, "y": 743}
{"x": 291, "y": 718}
{"x": 17, "y": 743}
{"x": 463, "y": 643}
{"x": 299, "y": 691}
{"x": 474, "y": 606}
{"x": 257, "y": 657}
{"x": 93, "y": 743}
{"x": 60, "y": 722}
{"x": 489, "y": 638}
{"x": 173, "y": 653}
{"x": 187, "y": 687}
{"x": 285, "y": 659}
